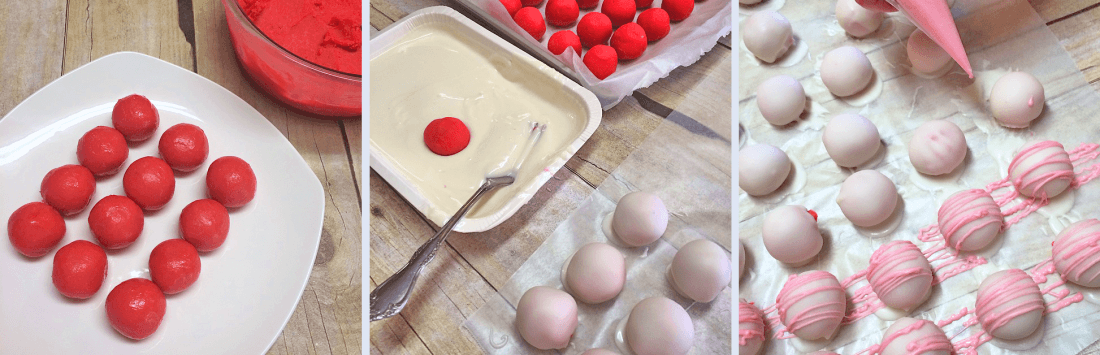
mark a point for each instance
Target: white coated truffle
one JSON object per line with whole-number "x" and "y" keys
{"x": 791, "y": 236}
{"x": 970, "y": 220}
{"x": 1009, "y": 305}
{"x": 925, "y": 55}
{"x": 867, "y": 198}
{"x": 937, "y": 147}
{"x": 846, "y": 71}
{"x": 1017, "y": 99}
{"x": 850, "y": 139}
{"x": 1077, "y": 253}
{"x": 856, "y": 20}
{"x": 546, "y": 317}
{"x": 781, "y": 99}
{"x": 750, "y": 328}
{"x": 1041, "y": 170}
{"x": 700, "y": 270}
{"x": 640, "y": 218}
{"x": 915, "y": 336}
{"x": 768, "y": 35}
{"x": 596, "y": 273}
{"x": 811, "y": 305}
{"x": 761, "y": 169}
{"x": 658, "y": 325}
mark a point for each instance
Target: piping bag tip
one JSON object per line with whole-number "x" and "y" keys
{"x": 934, "y": 18}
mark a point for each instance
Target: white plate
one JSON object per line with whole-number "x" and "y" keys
{"x": 247, "y": 289}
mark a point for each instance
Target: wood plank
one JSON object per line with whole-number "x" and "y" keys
{"x": 29, "y": 68}
{"x": 701, "y": 91}
{"x": 622, "y": 128}
{"x": 1054, "y": 10}
{"x": 1083, "y": 46}
{"x": 99, "y": 27}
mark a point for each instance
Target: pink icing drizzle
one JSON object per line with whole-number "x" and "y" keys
{"x": 886, "y": 273}
{"x": 1012, "y": 285}
{"x": 966, "y": 207}
{"x": 1078, "y": 250}
{"x": 1036, "y": 183}
{"x": 796, "y": 289}
{"x": 747, "y": 313}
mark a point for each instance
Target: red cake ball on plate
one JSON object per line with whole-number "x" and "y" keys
{"x": 530, "y": 20}
{"x": 655, "y": 22}
{"x": 562, "y": 13}
{"x": 205, "y": 224}
{"x": 68, "y": 189}
{"x": 512, "y": 6}
{"x": 116, "y": 221}
{"x": 102, "y": 150}
{"x": 678, "y": 10}
{"x": 135, "y": 308}
{"x": 629, "y": 41}
{"x": 561, "y": 40}
{"x": 446, "y": 136}
{"x": 35, "y": 229}
{"x": 174, "y": 265}
{"x": 594, "y": 29}
{"x": 601, "y": 60}
{"x": 184, "y": 147}
{"x": 135, "y": 117}
{"x": 230, "y": 181}
{"x": 149, "y": 182}
{"x": 79, "y": 269}
{"x": 620, "y": 12}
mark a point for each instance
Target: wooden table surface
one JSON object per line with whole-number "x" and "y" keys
{"x": 45, "y": 39}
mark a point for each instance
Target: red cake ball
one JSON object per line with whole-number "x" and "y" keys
{"x": 446, "y": 136}
{"x": 184, "y": 147}
{"x": 35, "y": 229}
{"x": 116, "y": 221}
{"x": 135, "y": 117}
{"x": 149, "y": 182}
{"x": 79, "y": 269}
{"x": 231, "y": 182}
{"x": 594, "y": 29}
{"x": 512, "y": 6}
{"x": 68, "y": 189}
{"x": 205, "y": 224}
{"x": 562, "y": 13}
{"x": 174, "y": 265}
{"x": 587, "y": 4}
{"x": 620, "y": 12}
{"x": 678, "y": 10}
{"x": 102, "y": 150}
{"x": 601, "y": 60}
{"x": 629, "y": 41}
{"x": 135, "y": 308}
{"x": 655, "y": 22}
{"x": 530, "y": 20}
{"x": 562, "y": 40}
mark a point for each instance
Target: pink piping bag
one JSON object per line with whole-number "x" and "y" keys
{"x": 934, "y": 18}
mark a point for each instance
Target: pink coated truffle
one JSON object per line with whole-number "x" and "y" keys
{"x": 594, "y": 29}
{"x": 530, "y": 20}
{"x": 1077, "y": 253}
{"x": 655, "y": 22}
{"x": 750, "y": 328}
{"x": 620, "y": 12}
{"x": 900, "y": 275}
{"x": 969, "y": 220}
{"x": 915, "y": 336}
{"x": 1041, "y": 170}
{"x": 563, "y": 39}
{"x": 601, "y": 60}
{"x": 678, "y": 10}
{"x": 562, "y": 13}
{"x": 629, "y": 41}
{"x": 1009, "y": 305}
{"x": 811, "y": 305}
{"x": 791, "y": 235}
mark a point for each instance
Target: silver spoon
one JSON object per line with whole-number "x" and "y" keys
{"x": 391, "y": 295}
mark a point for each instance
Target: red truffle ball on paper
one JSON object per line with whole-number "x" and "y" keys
{"x": 530, "y": 20}
{"x": 655, "y": 22}
{"x": 512, "y": 6}
{"x": 135, "y": 117}
{"x": 184, "y": 147}
{"x": 562, "y": 13}
{"x": 601, "y": 60}
{"x": 629, "y": 41}
{"x": 620, "y": 12}
{"x": 116, "y": 221}
{"x": 205, "y": 224}
{"x": 35, "y": 229}
{"x": 678, "y": 10}
{"x": 562, "y": 40}
{"x": 174, "y": 265}
{"x": 79, "y": 269}
{"x": 230, "y": 181}
{"x": 102, "y": 150}
{"x": 149, "y": 182}
{"x": 446, "y": 136}
{"x": 594, "y": 29}
{"x": 135, "y": 308}
{"x": 68, "y": 188}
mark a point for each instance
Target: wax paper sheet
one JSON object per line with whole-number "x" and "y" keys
{"x": 1000, "y": 36}
{"x": 690, "y": 171}
{"x": 687, "y": 41}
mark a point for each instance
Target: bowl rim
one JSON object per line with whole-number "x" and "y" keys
{"x": 237, "y": 12}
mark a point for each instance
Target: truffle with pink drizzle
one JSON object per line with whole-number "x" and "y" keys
{"x": 900, "y": 275}
{"x": 970, "y": 219}
{"x": 811, "y": 305}
{"x": 750, "y": 328}
{"x": 914, "y": 336}
{"x": 1010, "y": 305}
{"x": 1077, "y": 253}
{"x": 1041, "y": 170}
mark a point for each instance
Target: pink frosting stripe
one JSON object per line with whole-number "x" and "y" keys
{"x": 1079, "y": 250}
{"x": 796, "y": 290}
{"x": 748, "y": 313}
{"x": 1015, "y": 284}
{"x": 886, "y": 273}
{"x": 1036, "y": 183}
{"x": 964, "y": 208}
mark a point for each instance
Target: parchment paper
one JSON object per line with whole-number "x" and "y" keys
{"x": 999, "y": 36}
{"x": 691, "y": 174}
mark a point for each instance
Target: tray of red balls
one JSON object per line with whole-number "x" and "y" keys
{"x": 149, "y": 210}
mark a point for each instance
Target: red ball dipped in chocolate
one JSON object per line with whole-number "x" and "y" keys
{"x": 68, "y": 188}
{"x": 601, "y": 60}
{"x": 79, "y": 269}
{"x": 512, "y": 6}
{"x": 446, "y": 136}
{"x": 563, "y": 39}
{"x": 629, "y": 41}
{"x": 594, "y": 29}
{"x": 174, "y": 265}
{"x": 620, "y": 12}
{"x": 35, "y": 228}
{"x": 205, "y": 224}
{"x": 655, "y": 22}
{"x": 102, "y": 150}
{"x": 230, "y": 181}
{"x": 116, "y": 221}
{"x": 184, "y": 147}
{"x": 678, "y": 10}
{"x": 149, "y": 182}
{"x": 530, "y": 20}
{"x": 135, "y": 117}
{"x": 562, "y": 13}
{"x": 135, "y": 308}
